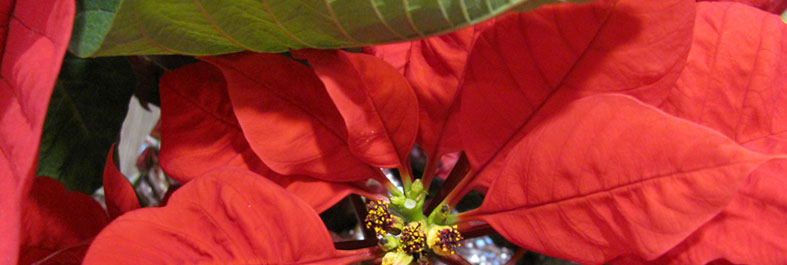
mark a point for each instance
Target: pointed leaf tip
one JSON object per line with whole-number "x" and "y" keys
{"x": 119, "y": 195}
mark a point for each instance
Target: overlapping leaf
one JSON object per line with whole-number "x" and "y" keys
{"x": 33, "y": 40}
{"x": 378, "y": 105}
{"x": 589, "y": 184}
{"x": 226, "y": 216}
{"x": 200, "y": 133}
{"x": 120, "y": 196}
{"x": 433, "y": 66}
{"x": 200, "y": 27}
{"x": 288, "y": 118}
{"x": 746, "y": 69}
{"x": 57, "y": 220}
{"x": 525, "y": 61}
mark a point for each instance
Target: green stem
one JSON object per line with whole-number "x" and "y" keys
{"x": 407, "y": 179}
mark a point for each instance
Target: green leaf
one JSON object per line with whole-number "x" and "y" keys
{"x": 209, "y": 27}
{"x": 533, "y": 4}
{"x": 85, "y": 113}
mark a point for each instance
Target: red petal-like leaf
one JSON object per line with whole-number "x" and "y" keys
{"x": 377, "y": 104}
{"x": 33, "y": 40}
{"x": 288, "y": 118}
{"x": 607, "y": 175}
{"x": 433, "y": 66}
{"x": 119, "y": 195}
{"x": 523, "y": 61}
{"x": 227, "y": 216}
{"x": 55, "y": 219}
{"x": 735, "y": 80}
{"x": 735, "y": 83}
{"x": 200, "y": 133}
{"x": 751, "y": 230}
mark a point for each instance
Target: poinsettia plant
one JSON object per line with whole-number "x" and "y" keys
{"x": 614, "y": 131}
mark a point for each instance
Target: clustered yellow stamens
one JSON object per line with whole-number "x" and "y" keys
{"x": 413, "y": 238}
{"x": 378, "y": 217}
{"x": 445, "y": 240}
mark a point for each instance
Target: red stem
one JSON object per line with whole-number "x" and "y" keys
{"x": 360, "y": 213}
{"x": 476, "y": 229}
{"x": 457, "y": 175}
{"x": 355, "y": 244}
{"x": 518, "y": 255}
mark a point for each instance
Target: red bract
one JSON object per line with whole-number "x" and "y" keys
{"x": 200, "y": 133}
{"x": 434, "y": 67}
{"x": 229, "y": 216}
{"x": 32, "y": 44}
{"x": 120, "y": 196}
{"x": 58, "y": 222}
{"x": 288, "y": 117}
{"x": 598, "y": 139}
{"x": 58, "y": 225}
{"x": 379, "y": 108}
{"x": 748, "y": 66}
{"x": 556, "y": 54}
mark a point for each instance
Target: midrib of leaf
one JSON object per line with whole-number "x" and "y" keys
{"x": 218, "y": 35}
{"x": 639, "y": 182}
{"x": 509, "y": 142}
{"x": 285, "y": 99}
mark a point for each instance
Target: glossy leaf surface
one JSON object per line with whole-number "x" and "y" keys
{"x": 288, "y": 118}
{"x": 226, "y": 216}
{"x": 33, "y": 39}
{"x": 525, "y": 61}
{"x": 377, "y": 103}
{"x": 637, "y": 185}
{"x": 85, "y": 113}
{"x": 55, "y": 219}
{"x": 200, "y": 27}
{"x": 200, "y": 133}
{"x": 119, "y": 195}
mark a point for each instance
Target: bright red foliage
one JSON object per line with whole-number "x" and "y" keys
{"x": 555, "y": 54}
{"x": 288, "y": 117}
{"x": 228, "y": 216}
{"x": 434, "y": 67}
{"x": 56, "y": 220}
{"x": 637, "y": 185}
{"x": 120, "y": 196}
{"x": 33, "y": 41}
{"x": 379, "y": 108}
{"x": 200, "y": 133}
